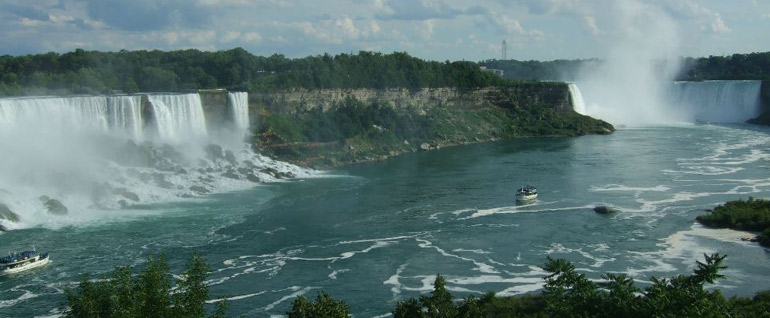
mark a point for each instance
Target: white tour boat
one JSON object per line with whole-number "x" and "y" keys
{"x": 19, "y": 262}
{"x": 526, "y": 193}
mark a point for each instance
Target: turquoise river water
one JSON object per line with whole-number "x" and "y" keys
{"x": 375, "y": 233}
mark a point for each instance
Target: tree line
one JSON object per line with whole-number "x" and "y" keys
{"x": 83, "y": 71}
{"x": 566, "y": 293}
{"x": 752, "y": 66}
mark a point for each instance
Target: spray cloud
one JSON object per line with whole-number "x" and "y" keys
{"x": 630, "y": 85}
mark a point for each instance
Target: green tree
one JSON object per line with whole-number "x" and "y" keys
{"x": 149, "y": 294}
{"x": 191, "y": 293}
{"x": 440, "y": 303}
{"x": 324, "y": 306}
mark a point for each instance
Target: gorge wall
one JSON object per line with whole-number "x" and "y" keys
{"x": 312, "y": 127}
{"x": 293, "y": 101}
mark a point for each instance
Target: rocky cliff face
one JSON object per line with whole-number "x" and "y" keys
{"x": 214, "y": 102}
{"x": 421, "y": 119}
{"x": 293, "y": 101}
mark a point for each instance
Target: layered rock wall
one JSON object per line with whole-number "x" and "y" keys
{"x": 291, "y": 101}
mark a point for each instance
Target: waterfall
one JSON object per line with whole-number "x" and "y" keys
{"x": 578, "y": 104}
{"x": 708, "y": 101}
{"x": 125, "y": 113}
{"x": 239, "y": 108}
{"x": 178, "y": 117}
{"x": 718, "y": 101}
{"x": 97, "y": 153}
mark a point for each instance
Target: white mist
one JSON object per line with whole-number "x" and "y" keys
{"x": 630, "y": 86}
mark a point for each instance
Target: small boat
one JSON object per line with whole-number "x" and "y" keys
{"x": 22, "y": 261}
{"x": 526, "y": 193}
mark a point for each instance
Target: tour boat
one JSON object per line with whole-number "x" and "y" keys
{"x": 19, "y": 262}
{"x": 526, "y": 193}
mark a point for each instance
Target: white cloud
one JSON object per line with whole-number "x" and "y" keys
{"x": 231, "y": 36}
{"x": 590, "y": 25}
{"x": 247, "y": 3}
{"x": 435, "y": 29}
{"x": 375, "y": 27}
{"x": 330, "y": 31}
{"x": 30, "y": 22}
{"x": 425, "y": 28}
{"x": 59, "y": 18}
{"x": 347, "y": 27}
{"x": 511, "y": 27}
{"x": 540, "y": 7}
{"x": 690, "y": 11}
{"x": 718, "y": 25}
{"x": 252, "y": 37}
{"x": 507, "y": 24}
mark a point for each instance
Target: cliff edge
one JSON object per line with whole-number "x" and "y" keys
{"x": 332, "y": 127}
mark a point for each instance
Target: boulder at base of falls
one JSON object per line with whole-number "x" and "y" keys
{"x": 160, "y": 180}
{"x": 231, "y": 174}
{"x": 3, "y": 228}
{"x": 55, "y": 207}
{"x": 214, "y": 152}
{"x": 7, "y": 214}
{"x": 126, "y": 194}
{"x": 273, "y": 172}
{"x": 230, "y": 157}
{"x": 253, "y": 177}
{"x": 603, "y": 209}
{"x": 199, "y": 189}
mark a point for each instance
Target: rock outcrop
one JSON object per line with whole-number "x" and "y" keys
{"x": 603, "y": 209}
{"x": 55, "y": 207}
{"x": 7, "y": 214}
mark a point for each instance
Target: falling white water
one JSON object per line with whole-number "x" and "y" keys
{"x": 125, "y": 113}
{"x": 578, "y": 104}
{"x": 717, "y": 101}
{"x": 239, "y": 108}
{"x": 178, "y": 117}
{"x": 709, "y": 101}
{"x": 97, "y": 153}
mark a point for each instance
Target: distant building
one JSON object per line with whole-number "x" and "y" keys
{"x": 492, "y": 70}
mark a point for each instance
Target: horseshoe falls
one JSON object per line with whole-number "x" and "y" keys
{"x": 718, "y": 101}
{"x": 679, "y": 102}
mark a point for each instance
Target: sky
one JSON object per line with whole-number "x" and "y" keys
{"x": 430, "y": 29}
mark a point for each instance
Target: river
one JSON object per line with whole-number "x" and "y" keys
{"x": 375, "y": 233}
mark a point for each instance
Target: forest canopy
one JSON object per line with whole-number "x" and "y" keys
{"x": 753, "y": 66}
{"x": 150, "y": 71}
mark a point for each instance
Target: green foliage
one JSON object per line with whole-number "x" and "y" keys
{"x": 324, "y": 306}
{"x": 568, "y": 293}
{"x": 149, "y": 294}
{"x": 540, "y": 70}
{"x": 750, "y": 215}
{"x": 439, "y": 304}
{"x": 92, "y": 72}
{"x": 753, "y": 66}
